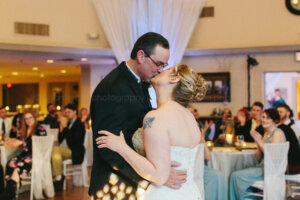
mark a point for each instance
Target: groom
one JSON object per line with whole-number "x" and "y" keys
{"x": 119, "y": 102}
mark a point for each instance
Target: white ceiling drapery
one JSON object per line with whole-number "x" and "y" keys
{"x": 124, "y": 21}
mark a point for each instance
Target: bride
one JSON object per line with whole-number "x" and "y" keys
{"x": 169, "y": 133}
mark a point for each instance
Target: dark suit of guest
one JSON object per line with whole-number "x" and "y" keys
{"x": 118, "y": 103}
{"x": 245, "y": 130}
{"x": 75, "y": 139}
{"x": 294, "y": 150}
{"x": 52, "y": 121}
{"x": 219, "y": 122}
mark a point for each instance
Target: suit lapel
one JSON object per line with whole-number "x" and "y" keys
{"x": 132, "y": 82}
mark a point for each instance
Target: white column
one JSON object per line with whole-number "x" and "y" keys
{"x": 43, "y": 101}
{"x": 91, "y": 75}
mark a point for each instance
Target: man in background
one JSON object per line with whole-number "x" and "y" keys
{"x": 285, "y": 118}
{"x": 5, "y": 122}
{"x": 51, "y": 118}
{"x": 74, "y": 133}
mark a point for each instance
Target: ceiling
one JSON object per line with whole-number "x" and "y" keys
{"x": 34, "y": 63}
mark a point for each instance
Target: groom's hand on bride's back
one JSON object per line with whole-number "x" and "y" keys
{"x": 176, "y": 177}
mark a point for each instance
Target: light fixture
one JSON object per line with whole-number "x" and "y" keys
{"x": 92, "y": 36}
{"x": 251, "y": 62}
{"x": 35, "y": 68}
{"x": 50, "y": 61}
{"x": 1, "y": 76}
{"x": 58, "y": 108}
{"x": 15, "y": 73}
{"x": 83, "y": 59}
{"x": 63, "y": 71}
{"x": 7, "y": 108}
{"x": 36, "y": 106}
{"x": 42, "y": 75}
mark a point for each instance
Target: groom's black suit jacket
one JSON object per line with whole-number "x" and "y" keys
{"x": 118, "y": 103}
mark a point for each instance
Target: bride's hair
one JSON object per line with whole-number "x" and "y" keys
{"x": 192, "y": 87}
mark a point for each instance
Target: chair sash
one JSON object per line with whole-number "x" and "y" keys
{"x": 275, "y": 164}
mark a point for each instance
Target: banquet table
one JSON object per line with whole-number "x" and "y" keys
{"x": 229, "y": 159}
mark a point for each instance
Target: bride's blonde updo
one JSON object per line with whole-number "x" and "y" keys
{"x": 192, "y": 87}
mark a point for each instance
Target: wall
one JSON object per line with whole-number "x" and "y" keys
{"x": 246, "y": 23}
{"x": 236, "y": 24}
{"x": 69, "y": 21}
{"x": 91, "y": 75}
{"x": 43, "y": 86}
{"x": 237, "y": 66}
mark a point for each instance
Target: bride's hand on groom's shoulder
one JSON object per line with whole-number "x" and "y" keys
{"x": 176, "y": 177}
{"x": 110, "y": 141}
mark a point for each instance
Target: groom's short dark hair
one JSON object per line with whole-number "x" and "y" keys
{"x": 148, "y": 42}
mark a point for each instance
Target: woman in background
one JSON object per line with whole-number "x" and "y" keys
{"x": 240, "y": 181}
{"x": 85, "y": 117}
{"x": 19, "y": 166}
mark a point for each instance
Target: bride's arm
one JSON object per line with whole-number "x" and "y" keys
{"x": 156, "y": 167}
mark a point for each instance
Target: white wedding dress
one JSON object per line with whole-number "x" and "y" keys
{"x": 189, "y": 159}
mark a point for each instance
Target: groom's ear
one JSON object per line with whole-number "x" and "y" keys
{"x": 140, "y": 56}
{"x": 174, "y": 79}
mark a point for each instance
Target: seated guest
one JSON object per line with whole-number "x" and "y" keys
{"x": 5, "y": 122}
{"x": 16, "y": 126}
{"x": 9, "y": 192}
{"x": 254, "y": 123}
{"x": 84, "y": 116}
{"x": 206, "y": 126}
{"x": 20, "y": 165}
{"x": 221, "y": 123}
{"x": 214, "y": 181}
{"x": 285, "y": 113}
{"x": 51, "y": 118}
{"x": 74, "y": 133}
{"x": 240, "y": 181}
{"x": 1, "y": 180}
{"x": 241, "y": 127}
{"x": 294, "y": 150}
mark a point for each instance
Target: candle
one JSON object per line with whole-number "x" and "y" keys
{"x": 209, "y": 143}
{"x": 90, "y": 124}
{"x": 229, "y": 138}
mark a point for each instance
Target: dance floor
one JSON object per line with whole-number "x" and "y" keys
{"x": 72, "y": 192}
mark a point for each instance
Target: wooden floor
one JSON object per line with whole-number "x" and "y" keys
{"x": 71, "y": 193}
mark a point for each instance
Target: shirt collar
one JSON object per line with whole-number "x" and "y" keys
{"x": 134, "y": 74}
{"x": 286, "y": 122}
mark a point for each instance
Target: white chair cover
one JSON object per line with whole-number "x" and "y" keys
{"x": 275, "y": 164}
{"x": 199, "y": 170}
{"x": 41, "y": 174}
{"x": 54, "y": 132}
{"x": 79, "y": 172}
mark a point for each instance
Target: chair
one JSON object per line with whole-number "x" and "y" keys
{"x": 199, "y": 169}
{"x": 79, "y": 172}
{"x": 41, "y": 174}
{"x": 275, "y": 163}
{"x": 54, "y": 132}
{"x": 293, "y": 190}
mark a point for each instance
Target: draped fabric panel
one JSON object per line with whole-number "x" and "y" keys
{"x": 124, "y": 21}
